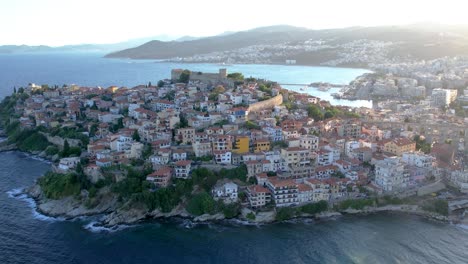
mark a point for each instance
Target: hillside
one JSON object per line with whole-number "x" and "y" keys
{"x": 356, "y": 46}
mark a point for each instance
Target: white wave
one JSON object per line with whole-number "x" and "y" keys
{"x": 188, "y": 224}
{"x": 15, "y": 192}
{"x": 464, "y": 227}
{"x": 19, "y": 194}
{"x": 96, "y": 227}
{"x": 34, "y": 157}
{"x": 239, "y": 222}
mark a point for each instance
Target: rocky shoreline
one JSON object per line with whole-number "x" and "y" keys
{"x": 113, "y": 213}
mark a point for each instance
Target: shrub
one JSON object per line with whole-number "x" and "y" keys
{"x": 436, "y": 206}
{"x": 285, "y": 213}
{"x": 314, "y": 208}
{"x": 357, "y": 204}
{"x": 231, "y": 210}
{"x": 52, "y": 150}
{"x": 56, "y": 186}
{"x": 201, "y": 203}
{"x": 250, "y": 216}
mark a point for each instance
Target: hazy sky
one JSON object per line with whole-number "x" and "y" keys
{"x": 60, "y": 22}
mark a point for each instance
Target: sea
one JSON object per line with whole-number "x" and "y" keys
{"x": 26, "y": 236}
{"x": 92, "y": 69}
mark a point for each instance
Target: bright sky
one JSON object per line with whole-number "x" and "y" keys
{"x": 61, "y": 22}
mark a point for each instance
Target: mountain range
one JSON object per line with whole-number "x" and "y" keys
{"x": 354, "y": 46}
{"x": 102, "y": 48}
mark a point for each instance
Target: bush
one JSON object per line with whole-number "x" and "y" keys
{"x": 231, "y": 210}
{"x": 56, "y": 186}
{"x": 201, "y": 203}
{"x": 250, "y": 216}
{"x": 314, "y": 208}
{"x": 285, "y": 213}
{"x": 52, "y": 150}
{"x": 436, "y": 206}
{"x": 357, "y": 204}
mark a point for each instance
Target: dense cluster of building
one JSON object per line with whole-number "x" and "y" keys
{"x": 293, "y": 158}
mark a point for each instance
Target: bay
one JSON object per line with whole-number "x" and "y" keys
{"x": 91, "y": 69}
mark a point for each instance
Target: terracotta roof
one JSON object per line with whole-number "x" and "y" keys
{"x": 183, "y": 162}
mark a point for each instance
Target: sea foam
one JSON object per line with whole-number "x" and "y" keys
{"x": 96, "y": 227}
{"x": 19, "y": 194}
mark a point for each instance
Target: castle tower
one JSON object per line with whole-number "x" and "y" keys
{"x": 223, "y": 73}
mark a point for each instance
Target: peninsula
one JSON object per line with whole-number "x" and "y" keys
{"x": 211, "y": 146}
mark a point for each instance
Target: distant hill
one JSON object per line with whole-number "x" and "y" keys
{"x": 355, "y": 46}
{"x": 103, "y": 48}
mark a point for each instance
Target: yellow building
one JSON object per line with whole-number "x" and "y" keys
{"x": 261, "y": 145}
{"x": 241, "y": 145}
{"x": 398, "y": 146}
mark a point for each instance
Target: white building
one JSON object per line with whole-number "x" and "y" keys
{"x": 442, "y": 97}
{"x": 390, "y": 174}
{"x": 222, "y": 156}
{"x": 66, "y": 164}
{"x": 227, "y": 190}
{"x": 309, "y": 142}
{"x": 418, "y": 159}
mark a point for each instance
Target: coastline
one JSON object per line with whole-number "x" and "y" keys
{"x": 361, "y": 67}
{"x": 112, "y": 215}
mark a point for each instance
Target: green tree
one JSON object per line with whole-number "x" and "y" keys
{"x": 314, "y": 112}
{"x": 237, "y": 76}
{"x": 66, "y": 149}
{"x": 136, "y": 136}
{"x": 201, "y": 203}
{"x": 160, "y": 83}
{"x": 184, "y": 76}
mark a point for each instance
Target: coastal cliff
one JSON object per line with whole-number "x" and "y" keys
{"x": 117, "y": 213}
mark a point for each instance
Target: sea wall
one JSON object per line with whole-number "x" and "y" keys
{"x": 431, "y": 188}
{"x": 267, "y": 104}
{"x": 60, "y": 142}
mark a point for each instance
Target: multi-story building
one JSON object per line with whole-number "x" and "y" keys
{"x": 442, "y": 97}
{"x": 222, "y": 156}
{"x": 186, "y": 135}
{"x": 258, "y": 196}
{"x": 274, "y": 133}
{"x": 309, "y": 142}
{"x": 284, "y": 192}
{"x": 222, "y": 142}
{"x": 161, "y": 177}
{"x": 398, "y": 146}
{"x": 418, "y": 159}
{"x": 261, "y": 146}
{"x": 182, "y": 169}
{"x": 305, "y": 193}
{"x": 296, "y": 156}
{"x": 349, "y": 130}
{"x": 390, "y": 174}
{"x": 241, "y": 144}
{"x": 254, "y": 167}
{"x": 321, "y": 189}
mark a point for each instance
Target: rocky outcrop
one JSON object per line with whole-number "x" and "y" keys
{"x": 71, "y": 207}
{"x": 125, "y": 216}
{"x": 409, "y": 209}
{"x": 208, "y": 217}
{"x": 9, "y": 147}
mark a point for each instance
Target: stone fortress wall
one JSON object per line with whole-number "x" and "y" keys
{"x": 267, "y": 104}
